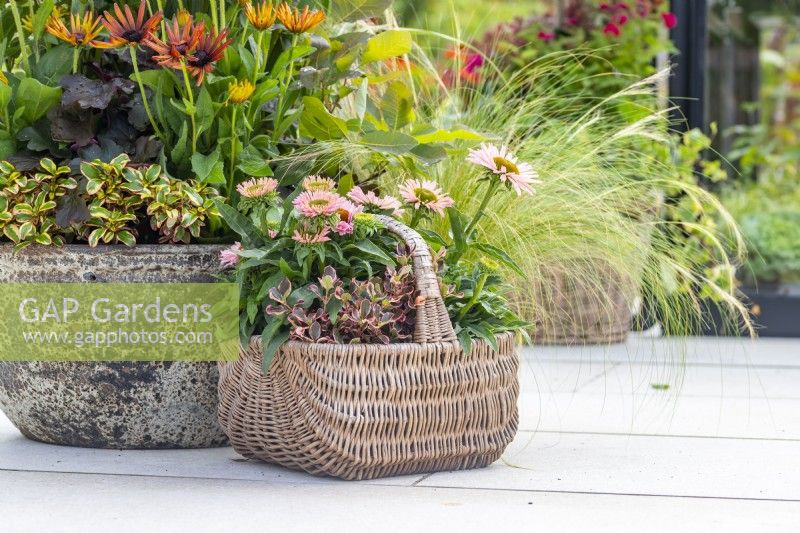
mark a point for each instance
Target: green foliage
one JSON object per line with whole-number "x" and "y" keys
{"x": 28, "y": 203}
{"x": 775, "y": 245}
{"x": 47, "y": 206}
{"x": 768, "y": 212}
{"x": 767, "y": 201}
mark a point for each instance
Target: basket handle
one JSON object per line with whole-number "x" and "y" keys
{"x": 433, "y": 322}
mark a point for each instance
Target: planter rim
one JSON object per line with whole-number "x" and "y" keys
{"x": 106, "y": 248}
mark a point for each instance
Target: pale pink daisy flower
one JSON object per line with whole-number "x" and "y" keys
{"x": 272, "y": 233}
{"x": 501, "y": 162}
{"x": 426, "y": 194}
{"x": 230, "y": 257}
{"x": 257, "y": 187}
{"x": 319, "y": 203}
{"x": 370, "y": 199}
{"x": 319, "y": 183}
{"x": 343, "y": 228}
{"x": 348, "y": 210}
{"x": 307, "y": 238}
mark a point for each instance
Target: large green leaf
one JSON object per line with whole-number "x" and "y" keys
{"x": 43, "y": 13}
{"x": 239, "y": 223}
{"x": 36, "y": 98}
{"x": 160, "y": 80}
{"x": 208, "y": 168}
{"x": 499, "y": 255}
{"x": 391, "y": 43}
{"x": 398, "y": 105}
{"x": 449, "y": 136}
{"x": 5, "y": 95}
{"x": 389, "y": 142}
{"x": 374, "y": 251}
{"x": 205, "y": 111}
{"x": 317, "y": 123}
{"x": 54, "y": 64}
{"x": 7, "y": 145}
{"x": 253, "y": 163}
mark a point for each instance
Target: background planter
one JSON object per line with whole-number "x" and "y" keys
{"x": 112, "y": 405}
{"x": 586, "y": 309}
{"x": 775, "y": 310}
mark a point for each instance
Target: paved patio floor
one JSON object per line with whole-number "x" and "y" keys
{"x": 654, "y": 435}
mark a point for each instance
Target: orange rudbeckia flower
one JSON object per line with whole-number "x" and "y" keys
{"x": 180, "y": 45}
{"x": 209, "y": 50}
{"x": 81, "y": 31}
{"x": 261, "y": 16}
{"x": 125, "y": 30}
{"x": 297, "y": 21}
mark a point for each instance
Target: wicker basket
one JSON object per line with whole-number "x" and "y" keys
{"x": 369, "y": 411}
{"x": 595, "y": 308}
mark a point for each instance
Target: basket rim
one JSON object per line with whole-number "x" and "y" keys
{"x": 393, "y": 345}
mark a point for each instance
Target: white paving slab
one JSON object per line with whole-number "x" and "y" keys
{"x": 59, "y": 503}
{"x": 19, "y": 453}
{"x": 661, "y": 413}
{"x": 658, "y": 466}
{"x": 600, "y": 449}
{"x": 703, "y": 381}
{"x": 692, "y": 350}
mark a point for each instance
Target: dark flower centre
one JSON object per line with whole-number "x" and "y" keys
{"x": 79, "y": 36}
{"x": 502, "y": 162}
{"x": 181, "y": 48}
{"x": 132, "y": 36}
{"x": 202, "y": 58}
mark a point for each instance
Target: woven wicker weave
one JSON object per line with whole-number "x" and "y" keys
{"x": 368, "y": 411}
{"x": 582, "y": 310}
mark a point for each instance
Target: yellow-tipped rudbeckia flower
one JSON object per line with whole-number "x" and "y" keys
{"x": 81, "y": 31}
{"x": 240, "y": 91}
{"x": 262, "y": 16}
{"x": 297, "y": 21}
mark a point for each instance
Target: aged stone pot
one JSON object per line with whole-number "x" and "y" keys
{"x": 112, "y": 405}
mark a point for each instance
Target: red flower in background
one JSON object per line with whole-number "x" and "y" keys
{"x": 621, "y": 19}
{"x": 469, "y": 72}
{"x": 546, "y": 36}
{"x": 612, "y": 29}
{"x": 670, "y": 20}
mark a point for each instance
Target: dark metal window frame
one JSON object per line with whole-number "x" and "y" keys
{"x": 687, "y": 83}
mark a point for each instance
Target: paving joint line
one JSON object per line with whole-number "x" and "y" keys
{"x": 617, "y": 434}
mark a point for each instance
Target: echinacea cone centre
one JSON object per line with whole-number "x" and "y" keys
{"x": 503, "y": 163}
{"x": 425, "y": 195}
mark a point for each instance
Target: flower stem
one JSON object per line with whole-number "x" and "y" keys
{"x": 286, "y": 82}
{"x": 482, "y": 208}
{"x": 35, "y": 39}
{"x": 23, "y": 47}
{"x": 222, "y": 17}
{"x": 233, "y": 151}
{"x": 214, "y": 16}
{"x": 160, "y": 5}
{"x": 258, "y": 56}
{"x": 476, "y": 293}
{"x": 190, "y": 94}
{"x": 415, "y": 218}
{"x": 135, "y": 61}
{"x": 75, "y": 53}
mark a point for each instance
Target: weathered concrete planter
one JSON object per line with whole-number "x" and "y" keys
{"x": 112, "y": 405}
